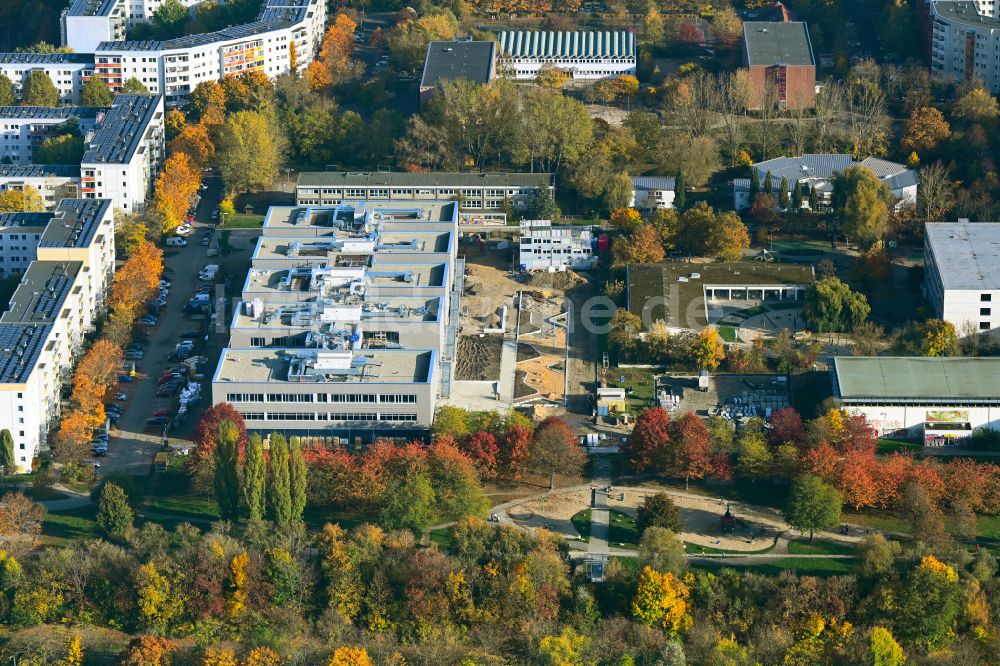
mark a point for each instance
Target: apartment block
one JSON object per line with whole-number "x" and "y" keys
{"x": 23, "y": 129}
{"x": 68, "y": 71}
{"x": 965, "y": 41}
{"x": 87, "y": 23}
{"x": 124, "y": 153}
{"x": 174, "y": 67}
{"x": 53, "y": 182}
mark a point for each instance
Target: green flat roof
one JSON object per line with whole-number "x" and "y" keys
{"x": 769, "y": 43}
{"x": 916, "y": 378}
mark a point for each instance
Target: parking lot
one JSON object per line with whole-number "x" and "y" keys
{"x": 133, "y": 443}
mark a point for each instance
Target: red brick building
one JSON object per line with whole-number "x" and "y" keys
{"x": 780, "y": 61}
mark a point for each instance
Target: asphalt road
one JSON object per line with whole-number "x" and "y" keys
{"x": 132, "y": 448}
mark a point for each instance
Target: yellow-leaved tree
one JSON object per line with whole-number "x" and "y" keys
{"x": 175, "y": 189}
{"x": 350, "y": 656}
{"x": 661, "y": 600}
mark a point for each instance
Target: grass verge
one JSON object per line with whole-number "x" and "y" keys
{"x": 819, "y": 548}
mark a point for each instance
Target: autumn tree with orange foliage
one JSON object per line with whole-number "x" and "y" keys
{"x": 148, "y": 651}
{"x": 642, "y": 247}
{"x": 175, "y": 189}
{"x": 335, "y": 64}
{"x": 194, "y": 142}
{"x": 208, "y": 102}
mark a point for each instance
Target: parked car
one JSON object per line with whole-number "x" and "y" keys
{"x": 162, "y": 412}
{"x": 147, "y": 320}
{"x": 121, "y": 395}
{"x": 125, "y": 379}
{"x": 176, "y": 241}
{"x": 157, "y": 422}
{"x": 165, "y": 283}
{"x": 133, "y": 356}
{"x": 113, "y": 409}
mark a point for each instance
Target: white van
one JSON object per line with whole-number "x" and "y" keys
{"x": 176, "y": 241}
{"x": 209, "y": 272}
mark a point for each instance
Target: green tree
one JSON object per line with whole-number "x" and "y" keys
{"x": 62, "y": 149}
{"x": 226, "y": 468}
{"x": 658, "y": 511}
{"x": 37, "y": 89}
{"x": 928, "y": 604}
{"x": 797, "y": 197}
{"x": 884, "y": 650}
{"x": 114, "y": 515}
{"x": 783, "y": 195}
{"x": 753, "y": 457}
{"x": 680, "y": 190}
{"x": 297, "y": 480}
{"x": 768, "y": 185}
{"x": 937, "y": 337}
{"x": 554, "y": 450}
{"x": 169, "y": 16}
{"x": 754, "y": 184}
{"x": 812, "y": 505}
{"x": 279, "y": 490}
{"x": 862, "y": 203}
{"x": 542, "y": 206}
{"x": 254, "y": 479}
{"x": 813, "y": 199}
{"x": 831, "y": 306}
{"x": 250, "y": 151}
{"x": 134, "y": 86}
{"x": 618, "y": 193}
{"x": 7, "y": 452}
{"x": 450, "y": 421}
{"x": 6, "y": 91}
{"x": 660, "y": 549}
{"x": 409, "y": 502}
{"x": 96, "y": 93}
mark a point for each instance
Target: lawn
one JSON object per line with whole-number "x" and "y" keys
{"x": 442, "y": 537}
{"x": 698, "y": 549}
{"x": 887, "y": 446}
{"x": 819, "y": 548}
{"x": 622, "y": 532}
{"x": 641, "y": 382}
{"x": 804, "y": 566}
{"x": 581, "y": 522}
{"x": 877, "y": 521}
{"x": 728, "y": 333}
{"x": 61, "y": 527}
{"x": 243, "y": 221}
{"x": 185, "y": 507}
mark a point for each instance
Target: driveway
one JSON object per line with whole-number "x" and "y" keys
{"x": 132, "y": 449}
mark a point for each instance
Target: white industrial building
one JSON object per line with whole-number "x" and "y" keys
{"x": 23, "y": 129}
{"x": 816, "y": 172}
{"x": 965, "y": 41}
{"x": 652, "y": 192}
{"x": 938, "y": 400}
{"x": 345, "y": 329}
{"x": 584, "y": 55}
{"x": 549, "y": 248}
{"x": 68, "y": 71}
{"x": 962, "y": 274}
{"x": 53, "y": 308}
{"x": 53, "y": 182}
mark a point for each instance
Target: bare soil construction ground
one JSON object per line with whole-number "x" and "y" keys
{"x": 478, "y": 357}
{"x": 544, "y": 332}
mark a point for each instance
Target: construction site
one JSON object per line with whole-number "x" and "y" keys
{"x": 541, "y": 348}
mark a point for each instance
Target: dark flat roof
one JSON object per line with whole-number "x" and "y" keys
{"x": 421, "y": 179}
{"x": 75, "y": 222}
{"x": 121, "y": 130}
{"x": 39, "y": 170}
{"x": 777, "y": 43}
{"x": 49, "y": 112}
{"x": 37, "y": 220}
{"x": 91, "y": 8}
{"x": 46, "y": 58}
{"x": 472, "y": 61}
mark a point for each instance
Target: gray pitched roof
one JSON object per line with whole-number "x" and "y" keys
{"x": 653, "y": 182}
{"x": 472, "y": 61}
{"x": 823, "y": 166}
{"x": 916, "y": 379}
{"x": 560, "y": 44}
{"x": 777, "y": 43}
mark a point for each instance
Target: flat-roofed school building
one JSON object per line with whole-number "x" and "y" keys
{"x": 939, "y": 400}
